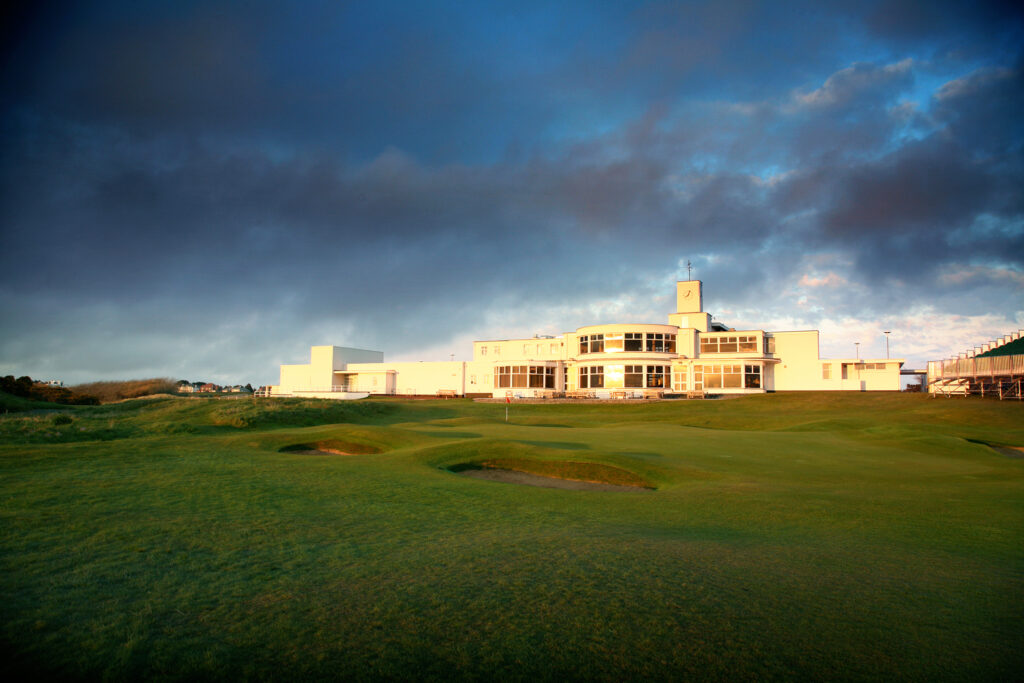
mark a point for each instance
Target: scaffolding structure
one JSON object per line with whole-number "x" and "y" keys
{"x": 1001, "y": 376}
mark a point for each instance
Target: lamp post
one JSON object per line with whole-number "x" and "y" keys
{"x": 857, "y": 345}
{"x": 887, "y": 333}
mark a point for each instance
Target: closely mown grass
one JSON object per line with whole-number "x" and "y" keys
{"x": 791, "y": 536}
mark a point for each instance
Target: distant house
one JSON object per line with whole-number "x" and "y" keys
{"x": 208, "y": 388}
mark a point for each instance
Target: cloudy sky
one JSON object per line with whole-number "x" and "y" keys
{"x": 203, "y": 190}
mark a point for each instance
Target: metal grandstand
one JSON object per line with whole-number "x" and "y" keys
{"x": 993, "y": 369}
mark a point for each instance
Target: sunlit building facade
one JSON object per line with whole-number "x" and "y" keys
{"x": 691, "y": 355}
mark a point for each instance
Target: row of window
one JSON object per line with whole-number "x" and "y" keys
{"x": 658, "y": 342}
{"x": 521, "y": 376}
{"x": 712, "y": 376}
{"x": 628, "y": 376}
{"x": 737, "y": 344}
{"x": 527, "y": 348}
{"x": 653, "y": 342}
{"x": 726, "y": 376}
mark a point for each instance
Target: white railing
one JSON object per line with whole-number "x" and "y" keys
{"x": 969, "y": 368}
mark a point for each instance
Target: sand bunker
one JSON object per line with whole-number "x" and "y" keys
{"x": 513, "y": 477}
{"x": 330, "y": 447}
{"x": 576, "y": 476}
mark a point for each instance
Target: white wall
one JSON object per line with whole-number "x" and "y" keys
{"x": 409, "y": 378}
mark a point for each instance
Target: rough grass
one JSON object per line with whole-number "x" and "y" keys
{"x": 839, "y": 537}
{"x": 108, "y": 392}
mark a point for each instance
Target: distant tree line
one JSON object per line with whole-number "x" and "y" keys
{"x": 26, "y": 387}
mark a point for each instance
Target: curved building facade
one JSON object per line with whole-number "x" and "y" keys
{"x": 688, "y": 355}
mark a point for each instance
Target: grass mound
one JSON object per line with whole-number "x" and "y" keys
{"x": 590, "y": 472}
{"x": 296, "y": 412}
{"x": 331, "y": 447}
{"x": 108, "y": 392}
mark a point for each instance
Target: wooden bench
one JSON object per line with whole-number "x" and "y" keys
{"x": 696, "y": 393}
{"x": 581, "y": 394}
{"x": 446, "y": 393}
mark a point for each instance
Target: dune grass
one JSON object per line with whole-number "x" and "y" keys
{"x": 118, "y": 390}
{"x": 797, "y": 536}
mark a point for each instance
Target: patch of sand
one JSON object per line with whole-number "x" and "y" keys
{"x": 1009, "y": 451}
{"x": 322, "y": 451}
{"x": 526, "y": 479}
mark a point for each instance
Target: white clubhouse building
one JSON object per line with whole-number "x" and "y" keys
{"x": 690, "y": 355}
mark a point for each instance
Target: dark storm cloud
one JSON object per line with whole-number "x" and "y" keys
{"x": 912, "y": 20}
{"x": 371, "y": 175}
{"x": 982, "y": 111}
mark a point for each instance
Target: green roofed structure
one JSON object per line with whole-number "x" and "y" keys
{"x": 1014, "y": 348}
{"x": 995, "y": 368}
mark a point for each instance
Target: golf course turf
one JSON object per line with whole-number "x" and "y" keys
{"x": 786, "y": 536}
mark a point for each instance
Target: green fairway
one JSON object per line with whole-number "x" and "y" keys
{"x": 788, "y": 536}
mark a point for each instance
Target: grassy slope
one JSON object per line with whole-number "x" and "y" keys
{"x": 803, "y": 535}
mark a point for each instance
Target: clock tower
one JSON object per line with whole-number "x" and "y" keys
{"x": 689, "y": 298}
{"x": 690, "y": 307}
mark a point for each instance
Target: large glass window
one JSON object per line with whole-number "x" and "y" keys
{"x": 752, "y": 376}
{"x": 729, "y": 344}
{"x": 612, "y": 343}
{"x": 656, "y": 376}
{"x": 522, "y": 376}
{"x": 657, "y": 342}
{"x": 634, "y": 341}
{"x": 634, "y": 376}
{"x": 592, "y": 378}
{"x": 723, "y": 376}
{"x": 593, "y": 343}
